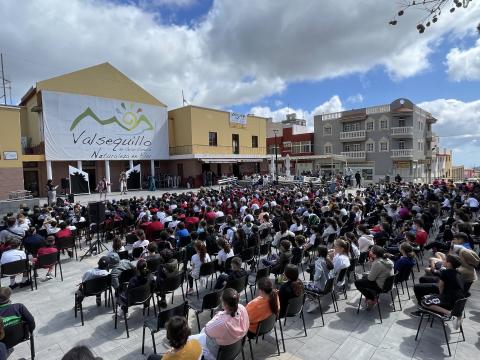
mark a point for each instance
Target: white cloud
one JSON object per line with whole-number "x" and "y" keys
{"x": 458, "y": 127}
{"x": 464, "y": 64}
{"x": 238, "y": 53}
{"x": 334, "y": 104}
{"x": 355, "y": 99}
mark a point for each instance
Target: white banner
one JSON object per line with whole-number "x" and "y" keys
{"x": 79, "y": 127}
{"x": 238, "y": 119}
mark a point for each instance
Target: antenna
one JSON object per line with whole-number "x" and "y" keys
{"x": 3, "y": 80}
{"x": 183, "y": 99}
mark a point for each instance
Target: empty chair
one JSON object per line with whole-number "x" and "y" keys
{"x": 294, "y": 308}
{"x": 206, "y": 270}
{"x": 329, "y": 285}
{"x": 261, "y": 273}
{"x": 264, "y": 327}
{"x": 209, "y": 302}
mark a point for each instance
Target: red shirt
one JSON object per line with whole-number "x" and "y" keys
{"x": 210, "y": 216}
{"x": 421, "y": 237}
{"x": 64, "y": 233}
{"x": 191, "y": 220}
{"x": 152, "y": 228}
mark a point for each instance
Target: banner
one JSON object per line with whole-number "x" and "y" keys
{"x": 79, "y": 183}
{"x": 134, "y": 178}
{"x": 79, "y": 127}
{"x": 237, "y": 119}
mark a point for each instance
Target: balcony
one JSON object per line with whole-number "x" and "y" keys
{"x": 402, "y": 153}
{"x": 355, "y": 155}
{"x": 401, "y": 132}
{"x": 357, "y": 135}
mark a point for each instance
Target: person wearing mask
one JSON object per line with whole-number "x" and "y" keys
{"x": 263, "y": 306}
{"x": 290, "y": 289}
{"x": 227, "y": 326}
{"x": 372, "y": 284}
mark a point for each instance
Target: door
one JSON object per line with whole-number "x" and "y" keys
{"x": 235, "y": 144}
{"x": 236, "y": 170}
{"x": 30, "y": 181}
{"x": 180, "y": 172}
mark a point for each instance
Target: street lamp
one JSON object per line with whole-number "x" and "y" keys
{"x": 276, "y": 155}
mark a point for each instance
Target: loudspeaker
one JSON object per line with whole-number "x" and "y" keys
{"x": 71, "y": 198}
{"x": 65, "y": 183}
{"x": 96, "y": 211}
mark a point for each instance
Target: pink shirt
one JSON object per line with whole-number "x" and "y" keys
{"x": 226, "y": 329}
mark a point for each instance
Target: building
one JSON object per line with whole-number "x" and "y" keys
{"x": 441, "y": 163}
{"x": 469, "y": 173}
{"x": 380, "y": 140}
{"x": 203, "y": 140}
{"x": 458, "y": 173}
{"x": 292, "y": 137}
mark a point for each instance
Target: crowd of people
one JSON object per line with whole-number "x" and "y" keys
{"x": 389, "y": 227}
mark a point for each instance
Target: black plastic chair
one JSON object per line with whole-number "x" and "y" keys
{"x": 94, "y": 287}
{"x": 172, "y": 283}
{"x": 67, "y": 243}
{"x": 47, "y": 260}
{"x": 16, "y": 267}
{"x": 137, "y": 252}
{"x": 239, "y": 285}
{"x": 180, "y": 256}
{"x": 207, "y": 270}
{"x": 328, "y": 289}
{"x": 155, "y": 325}
{"x": 123, "y": 255}
{"x": 248, "y": 255}
{"x": 457, "y": 311}
{"x": 231, "y": 352}
{"x": 362, "y": 259}
{"x": 130, "y": 239}
{"x": 209, "y": 302}
{"x": 153, "y": 264}
{"x": 297, "y": 260}
{"x": 227, "y": 265}
{"x": 294, "y": 308}
{"x": 340, "y": 281}
{"x": 124, "y": 278}
{"x": 264, "y": 327}
{"x": 402, "y": 277}
{"x": 140, "y": 295}
{"x": 263, "y": 251}
{"x": 261, "y": 273}
{"x": 387, "y": 288}
{"x": 16, "y": 334}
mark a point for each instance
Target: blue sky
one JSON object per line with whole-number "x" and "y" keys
{"x": 265, "y": 57}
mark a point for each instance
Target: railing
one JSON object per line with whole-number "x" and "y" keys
{"x": 406, "y": 130}
{"x": 352, "y": 135}
{"x": 402, "y": 153}
{"x": 206, "y": 149}
{"x": 354, "y": 154}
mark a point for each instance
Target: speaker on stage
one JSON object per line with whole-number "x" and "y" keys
{"x": 71, "y": 198}
{"x": 65, "y": 183}
{"x": 96, "y": 211}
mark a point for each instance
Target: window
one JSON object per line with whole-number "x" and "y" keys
{"x": 347, "y": 147}
{"x": 287, "y": 145}
{"x": 401, "y": 145}
{"x": 328, "y": 148}
{"x": 383, "y": 145}
{"x": 383, "y": 124}
{"x": 306, "y": 146}
{"x": 212, "y": 139}
{"x": 296, "y": 147}
{"x": 327, "y": 130}
{"x": 370, "y": 147}
{"x": 235, "y": 144}
{"x": 254, "y": 141}
{"x": 301, "y": 147}
{"x": 356, "y": 147}
{"x": 370, "y": 126}
{"x": 271, "y": 149}
{"x": 401, "y": 123}
{"x": 351, "y": 126}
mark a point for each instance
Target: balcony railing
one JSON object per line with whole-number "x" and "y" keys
{"x": 354, "y": 155}
{"x": 402, "y": 153}
{"x": 224, "y": 150}
{"x": 352, "y": 135}
{"x": 402, "y": 131}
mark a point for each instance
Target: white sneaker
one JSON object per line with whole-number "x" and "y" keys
{"x": 312, "y": 306}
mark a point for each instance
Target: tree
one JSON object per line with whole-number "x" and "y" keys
{"x": 432, "y": 10}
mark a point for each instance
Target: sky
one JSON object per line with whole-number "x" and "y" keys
{"x": 266, "y": 57}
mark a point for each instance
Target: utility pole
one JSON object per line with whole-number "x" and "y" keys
{"x": 3, "y": 80}
{"x": 276, "y": 156}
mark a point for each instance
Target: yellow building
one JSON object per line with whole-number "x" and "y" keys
{"x": 458, "y": 173}
{"x": 206, "y": 140}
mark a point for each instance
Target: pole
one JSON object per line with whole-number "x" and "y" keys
{"x": 276, "y": 156}
{"x": 3, "y": 80}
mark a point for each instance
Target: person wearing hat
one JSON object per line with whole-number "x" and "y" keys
{"x": 14, "y": 313}
{"x": 99, "y": 271}
{"x": 470, "y": 260}
{"x": 14, "y": 254}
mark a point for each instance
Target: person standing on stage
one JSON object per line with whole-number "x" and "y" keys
{"x": 51, "y": 192}
{"x": 102, "y": 187}
{"x": 123, "y": 182}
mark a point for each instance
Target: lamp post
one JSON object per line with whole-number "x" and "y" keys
{"x": 276, "y": 156}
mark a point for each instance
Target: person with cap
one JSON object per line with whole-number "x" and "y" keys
{"x": 99, "y": 271}
{"x": 13, "y": 314}
{"x": 14, "y": 254}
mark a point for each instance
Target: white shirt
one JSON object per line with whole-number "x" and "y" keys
{"x": 140, "y": 243}
{"x": 219, "y": 214}
{"x": 196, "y": 263}
{"x": 472, "y": 202}
{"x": 340, "y": 262}
{"x": 223, "y": 256}
{"x": 294, "y": 228}
{"x": 364, "y": 242}
{"x": 12, "y": 255}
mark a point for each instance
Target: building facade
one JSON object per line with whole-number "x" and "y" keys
{"x": 380, "y": 140}
{"x": 458, "y": 173}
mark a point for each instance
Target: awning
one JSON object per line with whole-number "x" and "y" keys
{"x": 229, "y": 161}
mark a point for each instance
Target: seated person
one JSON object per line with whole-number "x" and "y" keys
{"x": 118, "y": 266}
{"x": 227, "y": 326}
{"x": 141, "y": 278}
{"x": 49, "y": 248}
{"x": 152, "y": 253}
{"x": 99, "y": 271}
{"x": 33, "y": 241}
{"x": 320, "y": 272}
{"x": 168, "y": 269}
{"x": 117, "y": 245}
{"x": 278, "y": 262}
{"x": 198, "y": 259}
{"x": 372, "y": 283}
{"x": 339, "y": 256}
{"x": 237, "y": 272}
{"x": 264, "y": 305}
{"x": 406, "y": 260}
{"x": 450, "y": 289}
{"x": 80, "y": 352}
{"x": 183, "y": 348}
{"x": 225, "y": 252}
{"x": 64, "y": 231}
{"x": 12, "y": 255}
{"x": 162, "y": 241}
{"x": 142, "y": 241}
{"x": 290, "y": 289}
{"x": 14, "y": 313}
